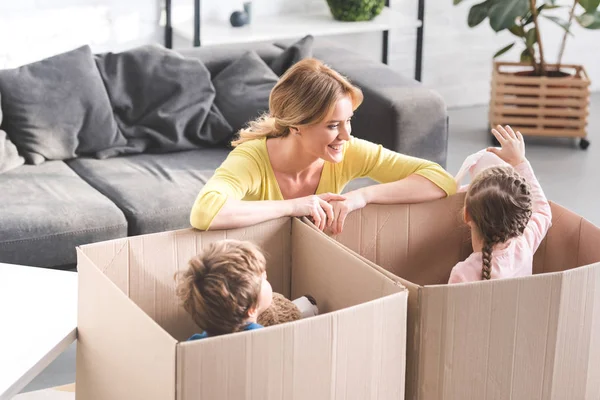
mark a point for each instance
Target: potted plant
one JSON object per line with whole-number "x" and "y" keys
{"x": 538, "y": 98}
{"x": 355, "y": 10}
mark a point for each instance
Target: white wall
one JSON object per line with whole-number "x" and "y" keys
{"x": 457, "y": 60}
{"x": 34, "y": 29}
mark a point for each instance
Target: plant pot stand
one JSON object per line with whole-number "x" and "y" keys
{"x": 550, "y": 106}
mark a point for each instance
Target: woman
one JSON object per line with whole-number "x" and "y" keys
{"x": 298, "y": 158}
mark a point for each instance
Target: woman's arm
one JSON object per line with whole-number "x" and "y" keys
{"x": 412, "y": 189}
{"x": 403, "y": 179}
{"x": 220, "y": 203}
{"x": 240, "y": 213}
{"x": 237, "y": 176}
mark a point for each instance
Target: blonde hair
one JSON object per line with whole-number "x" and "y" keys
{"x": 222, "y": 284}
{"x": 306, "y": 94}
{"x": 499, "y": 203}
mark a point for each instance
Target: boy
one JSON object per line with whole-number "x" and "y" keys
{"x": 225, "y": 288}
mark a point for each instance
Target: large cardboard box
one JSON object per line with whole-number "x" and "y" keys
{"x": 131, "y": 331}
{"x": 536, "y": 337}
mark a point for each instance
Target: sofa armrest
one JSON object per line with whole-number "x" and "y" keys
{"x": 397, "y": 112}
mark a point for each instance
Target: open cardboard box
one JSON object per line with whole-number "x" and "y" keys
{"x": 536, "y": 337}
{"x": 132, "y": 332}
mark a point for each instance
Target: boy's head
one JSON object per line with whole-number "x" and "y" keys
{"x": 225, "y": 286}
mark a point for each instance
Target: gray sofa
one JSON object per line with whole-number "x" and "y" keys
{"x": 50, "y": 208}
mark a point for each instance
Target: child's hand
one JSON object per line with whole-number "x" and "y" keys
{"x": 513, "y": 145}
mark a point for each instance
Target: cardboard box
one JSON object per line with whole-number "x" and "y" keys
{"x": 132, "y": 332}
{"x": 536, "y": 337}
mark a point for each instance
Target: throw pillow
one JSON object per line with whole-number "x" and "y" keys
{"x": 292, "y": 54}
{"x": 9, "y": 156}
{"x": 243, "y": 89}
{"x": 162, "y": 101}
{"x": 57, "y": 108}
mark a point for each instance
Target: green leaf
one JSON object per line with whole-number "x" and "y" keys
{"x": 590, "y": 20}
{"x": 504, "y": 14}
{"x": 589, "y": 5}
{"x": 504, "y": 50}
{"x": 528, "y": 16}
{"x": 478, "y": 13}
{"x": 531, "y": 37}
{"x": 457, "y": 2}
{"x": 517, "y": 31}
{"x": 560, "y": 22}
{"x": 526, "y": 57}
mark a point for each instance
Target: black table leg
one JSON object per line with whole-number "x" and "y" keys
{"x": 419, "y": 55}
{"x": 385, "y": 46}
{"x": 168, "y": 27}
{"x": 196, "y": 23}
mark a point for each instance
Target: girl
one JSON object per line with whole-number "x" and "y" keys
{"x": 508, "y": 215}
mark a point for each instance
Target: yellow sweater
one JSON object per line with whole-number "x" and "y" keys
{"x": 246, "y": 174}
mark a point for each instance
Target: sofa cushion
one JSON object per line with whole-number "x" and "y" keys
{"x": 292, "y": 54}
{"x": 162, "y": 101}
{"x": 9, "y": 155}
{"x": 216, "y": 58}
{"x": 155, "y": 192}
{"x": 243, "y": 89}
{"x": 57, "y": 108}
{"x": 47, "y": 210}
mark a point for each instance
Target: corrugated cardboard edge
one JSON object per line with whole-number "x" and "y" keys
{"x": 558, "y": 361}
{"x": 397, "y": 280}
{"x": 351, "y": 348}
{"x": 307, "y": 236}
{"x": 141, "y": 346}
{"x": 576, "y": 366}
{"x": 413, "y": 335}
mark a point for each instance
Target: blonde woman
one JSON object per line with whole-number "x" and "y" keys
{"x": 298, "y": 158}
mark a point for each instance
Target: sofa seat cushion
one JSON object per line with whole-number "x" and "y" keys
{"x": 47, "y": 210}
{"x": 155, "y": 191}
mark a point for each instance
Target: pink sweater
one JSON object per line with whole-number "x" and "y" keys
{"x": 515, "y": 257}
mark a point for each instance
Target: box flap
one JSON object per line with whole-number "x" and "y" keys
{"x": 109, "y": 258}
{"x": 403, "y": 238}
{"x": 413, "y": 315}
{"x": 146, "y": 270}
{"x": 524, "y": 338}
{"x": 571, "y": 242}
{"x": 328, "y": 272}
{"x": 120, "y": 350}
{"x": 352, "y": 353}
{"x": 476, "y": 337}
{"x": 576, "y": 372}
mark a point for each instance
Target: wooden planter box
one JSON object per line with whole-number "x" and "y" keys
{"x": 540, "y": 105}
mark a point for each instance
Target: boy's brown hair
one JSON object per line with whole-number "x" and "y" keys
{"x": 499, "y": 204}
{"x": 222, "y": 284}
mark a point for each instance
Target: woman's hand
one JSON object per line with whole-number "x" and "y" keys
{"x": 513, "y": 145}
{"x": 341, "y": 208}
{"x": 316, "y": 207}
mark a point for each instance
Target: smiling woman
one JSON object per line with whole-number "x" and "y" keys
{"x": 297, "y": 159}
